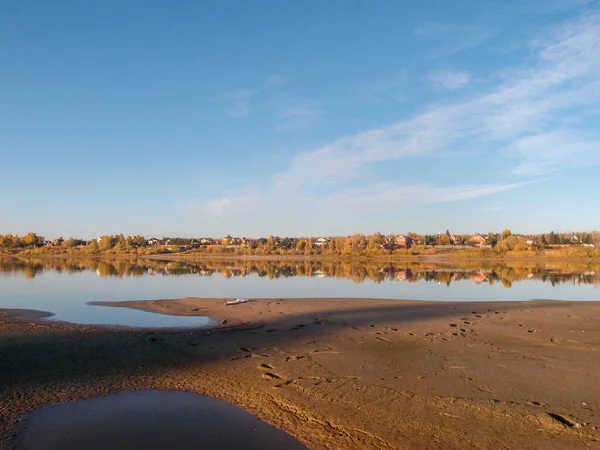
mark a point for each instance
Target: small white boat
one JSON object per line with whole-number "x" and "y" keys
{"x": 237, "y": 301}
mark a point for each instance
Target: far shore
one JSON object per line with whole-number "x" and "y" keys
{"x": 191, "y": 257}
{"x": 336, "y": 373}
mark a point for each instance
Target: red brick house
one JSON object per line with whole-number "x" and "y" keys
{"x": 479, "y": 278}
{"x": 477, "y": 239}
{"x": 404, "y": 242}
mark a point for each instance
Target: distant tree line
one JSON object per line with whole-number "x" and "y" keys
{"x": 356, "y": 244}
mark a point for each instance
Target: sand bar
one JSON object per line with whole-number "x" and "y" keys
{"x": 338, "y": 373}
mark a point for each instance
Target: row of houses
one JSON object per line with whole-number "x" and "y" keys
{"x": 399, "y": 242}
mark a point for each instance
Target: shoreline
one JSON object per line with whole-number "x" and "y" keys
{"x": 337, "y": 373}
{"x": 191, "y": 257}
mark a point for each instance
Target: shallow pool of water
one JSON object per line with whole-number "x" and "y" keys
{"x": 149, "y": 420}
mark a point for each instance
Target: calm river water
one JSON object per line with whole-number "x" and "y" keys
{"x": 64, "y": 287}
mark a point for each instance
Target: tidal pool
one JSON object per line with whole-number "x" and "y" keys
{"x": 149, "y": 420}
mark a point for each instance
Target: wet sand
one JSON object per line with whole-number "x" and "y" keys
{"x": 338, "y": 373}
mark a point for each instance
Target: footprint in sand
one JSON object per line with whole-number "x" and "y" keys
{"x": 540, "y": 404}
{"x": 266, "y": 366}
{"x": 237, "y": 358}
{"x": 297, "y": 327}
{"x": 270, "y": 376}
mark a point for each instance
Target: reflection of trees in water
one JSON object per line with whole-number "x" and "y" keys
{"x": 479, "y": 272}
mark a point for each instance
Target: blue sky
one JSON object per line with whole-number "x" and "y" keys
{"x": 299, "y": 117}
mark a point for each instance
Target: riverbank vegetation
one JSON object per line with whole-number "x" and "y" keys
{"x": 491, "y": 245}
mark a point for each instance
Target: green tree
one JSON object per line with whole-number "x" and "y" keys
{"x": 139, "y": 241}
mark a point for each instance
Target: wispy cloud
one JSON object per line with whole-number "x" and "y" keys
{"x": 338, "y": 212}
{"x": 555, "y": 150}
{"x": 382, "y": 196}
{"x": 391, "y": 88}
{"x": 289, "y": 112}
{"x": 523, "y": 120}
{"x": 450, "y": 80}
{"x": 451, "y": 39}
{"x": 239, "y": 102}
{"x": 496, "y": 208}
{"x": 292, "y": 113}
{"x": 563, "y": 76}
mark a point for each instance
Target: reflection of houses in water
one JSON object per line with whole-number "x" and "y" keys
{"x": 479, "y": 277}
{"x": 396, "y": 274}
{"x": 403, "y": 275}
{"x": 444, "y": 273}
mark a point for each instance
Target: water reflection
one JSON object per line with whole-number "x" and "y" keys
{"x": 479, "y": 272}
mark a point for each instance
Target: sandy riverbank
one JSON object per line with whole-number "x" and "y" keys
{"x": 339, "y": 373}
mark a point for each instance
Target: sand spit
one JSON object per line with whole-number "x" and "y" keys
{"x": 338, "y": 373}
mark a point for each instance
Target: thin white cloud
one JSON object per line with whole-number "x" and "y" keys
{"x": 555, "y": 150}
{"x": 562, "y": 76}
{"x": 293, "y": 113}
{"x": 450, "y": 80}
{"x": 383, "y": 196}
{"x": 452, "y": 39}
{"x": 391, "y": 88}
{"x": 289, "y": 112}
{"x": 239, "y": 102}
{"x": 335, "y": 212}
{"x": 524, "y": 121}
